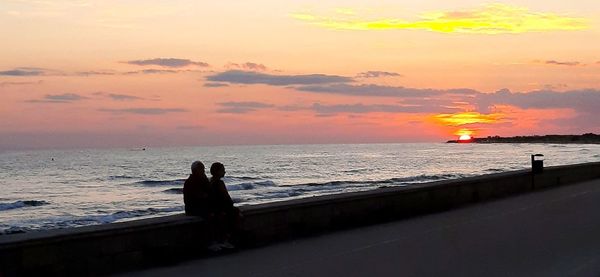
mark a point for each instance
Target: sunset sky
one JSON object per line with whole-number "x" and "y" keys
{"x": 83, "y": 73}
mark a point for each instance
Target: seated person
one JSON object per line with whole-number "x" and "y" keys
{"x": 196, "y": 191}
{"x": 221, "y": 205}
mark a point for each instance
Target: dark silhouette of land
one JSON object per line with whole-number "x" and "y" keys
{"x": 588, "y": 138}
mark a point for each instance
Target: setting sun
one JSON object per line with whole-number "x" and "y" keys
{"x": 464, "y": 137}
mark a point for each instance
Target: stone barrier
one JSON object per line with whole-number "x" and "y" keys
{"x": 104, "y": 249}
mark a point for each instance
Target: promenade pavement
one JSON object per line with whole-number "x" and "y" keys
{"x": 548, "y": 233}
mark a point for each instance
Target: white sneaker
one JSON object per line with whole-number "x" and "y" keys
{"x": 214, "y": 247}
{"x": 227, "y": 245}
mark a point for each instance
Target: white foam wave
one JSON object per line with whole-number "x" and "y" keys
{"x": 22, "y": 204}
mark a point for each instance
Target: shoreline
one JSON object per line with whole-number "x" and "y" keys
{"x": 588, "y": 138}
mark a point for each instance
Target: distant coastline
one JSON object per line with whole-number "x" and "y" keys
{"x": 588, "y": 138}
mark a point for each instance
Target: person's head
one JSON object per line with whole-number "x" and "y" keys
{"x": 197, "y": 168}
{"x": 217, "y": 170}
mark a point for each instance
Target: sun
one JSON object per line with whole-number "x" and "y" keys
{"x": 464, "y": 137}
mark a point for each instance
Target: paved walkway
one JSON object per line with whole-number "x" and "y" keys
{"x": 549, "y": 233}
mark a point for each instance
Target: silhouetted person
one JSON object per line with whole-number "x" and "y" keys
{"x": 196, "y": 192}
{"x": 227, "y": 216}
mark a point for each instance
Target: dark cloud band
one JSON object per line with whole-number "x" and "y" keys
{"x": 250, "y": 77}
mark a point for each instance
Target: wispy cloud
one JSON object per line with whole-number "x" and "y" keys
{"x": 59, "y": 98}
{"x": 31, "y": 71}
{"x": 242, "y": 107}
{"x": 378, "y": 90}
{"x": 215, "y": 85}
{"x": 23, "y": 71}
{"x": 93, "y": 73}
{"x": 250, "y": 77}
{"x": 117, "y": 96}
{"x": 247, "y": 66}
{"x": 144, "y": 111}
{"x": 7, "y": 84}
{"x": 168, "y": 62}
{"x": 377, "y": 74}
{"x": 154, "y": 71}
{"x": 489, "y": 19}
{"x": 565, "y": 63}
{"x": 373, "y": 108}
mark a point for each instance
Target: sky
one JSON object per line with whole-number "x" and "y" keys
{"x": 127, "y": 73}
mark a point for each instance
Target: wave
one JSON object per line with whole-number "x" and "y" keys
{"x": 252, "y": 185}
{"x": 174, "y": 191}
{"x": 119, "y": 177}
{"x": 22, "y": 204}
{"x": 14, "y": 230}
{"x": 394, "y": 181}
{"x": 230, "y": 178}
{"x": 102, "y": 219}
{"x": 78, "y": 221}
{"x": 176, "y": 182}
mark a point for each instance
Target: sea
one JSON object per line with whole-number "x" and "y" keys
{"x": 49, "y": 189}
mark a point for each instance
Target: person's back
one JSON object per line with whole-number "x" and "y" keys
{"x": 220, "y": 199}
{"x": 196, "y": 191}
{"x": 227, "y": 217}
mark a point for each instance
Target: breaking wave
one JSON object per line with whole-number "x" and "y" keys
{"x": 152, "y": 183}
{"x": 22, "y": 204}
{"x": 78, "y": 221}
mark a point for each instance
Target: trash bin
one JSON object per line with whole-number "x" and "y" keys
{"x": 537, "y": 163}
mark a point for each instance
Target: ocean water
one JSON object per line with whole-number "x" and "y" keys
{"x": 71, "y": 188}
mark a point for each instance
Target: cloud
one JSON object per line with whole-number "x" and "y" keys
{"x": 249, "y": 77}
{"x": 168, "y": 62}
{"x": 92, "y": 73}
{"x": 555, "y": 87}
{"x": 579, "y": 100}
{"x": 377, "y": 74}
{"x": 7, "y": 84}
{"x": 376, "y": 108}
{"x": 488, "y": 19}
{"x": 250, "y": 66}
{"x": 378, "y": 90}
{"x": 23, "y": 72}
{"x": 31, "y": 71}
{"x": 215, "y": 85}
{"x": 144, "y": 111}
{"x": 152, "y": 71}
{"x": 553, "y": 62}
{"x": 242, "y": 107}
{"x": 118, "y": 97}
{"x": 59, "y": 98}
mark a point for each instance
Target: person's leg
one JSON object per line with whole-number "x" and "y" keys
{"x": 213, "y": 232}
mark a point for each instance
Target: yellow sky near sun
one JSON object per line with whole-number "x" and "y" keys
{"x": 489, "y": 19}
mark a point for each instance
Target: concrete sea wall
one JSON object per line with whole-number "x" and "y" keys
{"x": 110, "y": 248}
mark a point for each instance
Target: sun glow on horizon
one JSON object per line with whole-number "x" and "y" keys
{"x": 464, "y": 137}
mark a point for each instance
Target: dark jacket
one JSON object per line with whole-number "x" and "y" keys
{"x": 220, "y": 199}
{"x": 196, "y": 193}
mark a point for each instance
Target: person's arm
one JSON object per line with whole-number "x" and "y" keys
{"x": 226, "y": 198}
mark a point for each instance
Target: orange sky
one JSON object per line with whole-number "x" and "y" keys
{"x": 120, "y": 73}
